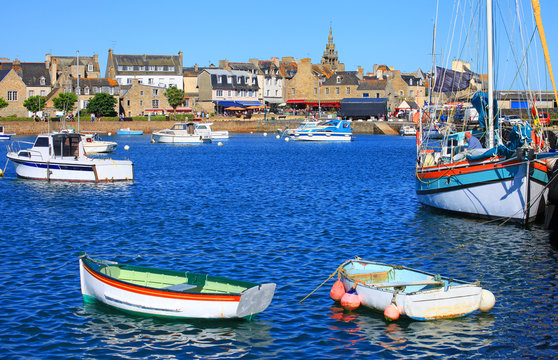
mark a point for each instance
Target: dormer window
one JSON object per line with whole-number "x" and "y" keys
{"x": 219, "y": 80}
{"x": 171, "y": 68}
{"x": 42, "y": 80}
{"x": 142, "y": 68}
{"x": 159, "y": 68}
{"x": 89, "y": 67}
{"x": 339, "y": 79}
{"x": 254, "y": 80}
{"x": 120, "y": 68}
{"x": 151, "y": 68}
{"x": 130, "y": 68}
{"x": 229, "y": 79}
{"x": 410, "y": 81}
{"x": 86, "y": 91}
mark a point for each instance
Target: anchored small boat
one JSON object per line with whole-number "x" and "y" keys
{"x": 332, "y": 130}
{"x": 62, "y": 157}
{"x": 205, "y": 130}
{"x": 181, "y": 133}
{"x": 399, "y": 290}
{"x": 4, "y": 135}
{"x": 128, "y": 131}
{"x": 95, "y": 145}
{"x": 408, "y": 130}
{"x": 167, "y": 293}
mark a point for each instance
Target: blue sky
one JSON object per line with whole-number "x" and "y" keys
{"x": 397, "y": 32}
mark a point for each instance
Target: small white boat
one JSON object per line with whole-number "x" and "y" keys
{"x": 414, "y": 293}
{"x": 127, "y": 131}
{"x": 204, "y": 129}
{"x": 4, "y": 135}
{"x": 408, "y": 130}
{"x": 62, "y": 157}
{"x": 332, "y": 130}
{"x": 171, "y": 294}
{"x": 94, "y": 145}
{"x": 181, "y": 133}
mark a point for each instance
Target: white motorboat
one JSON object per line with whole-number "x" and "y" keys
{"x": 94, "y": 144}
{"x": 305, "y": 125}
{"x": 408, "y": 130}
{"x": 204, "y": 129}
{"x": 181, "y": 133}
{"x": 62, "y": 157}
{"x": 332, "y": 130}
{"x": 4, "y": 135}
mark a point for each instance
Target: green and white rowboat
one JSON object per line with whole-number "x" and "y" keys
{"x": 173, "y": 294}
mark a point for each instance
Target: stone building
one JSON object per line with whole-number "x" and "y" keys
{"x": 272, "y": 82}
{"x": 343, "y": 84}
{"x": 251, "y": 67}
{"x": 191, "y": 91}
{"x": 156, "y": 70}
{"x": 63, "y": 69}
{"x": 371, "y": 88}
{"x": 141, "y": 99}
{"x": 220, "y": 88}
{"x": 14, "y": 91}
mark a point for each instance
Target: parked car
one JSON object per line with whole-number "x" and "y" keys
{"x": 544, "y": 118}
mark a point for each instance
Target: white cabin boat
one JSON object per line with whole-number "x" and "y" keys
{"x": 408, "y": 130}
{"x": 332, "y": 130}
{"x": 93, "y": 144}
{"x": 181, "y": 133}
{"x": 62, "y": 157}
{"x": 204, "y": 129}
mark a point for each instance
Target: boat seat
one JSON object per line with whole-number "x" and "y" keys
{"x": 370, "y": 277}
{"x": 181, "y": 287}
{"x": 408, "y": 283}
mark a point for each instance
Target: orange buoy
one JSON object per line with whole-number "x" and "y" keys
{"x": 391, "y": 313}
{"x": 350, "y": 301}
{"x": 337, "y": 291}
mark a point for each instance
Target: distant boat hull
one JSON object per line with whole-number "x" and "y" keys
{"x": 6, "y": 136}
{"x": 104, "y": 282}
{"x": 319, "y": 136}
{"x": 129, "y": 132}
{"x": 164, "y": 138}
{"x": 98, "y": 147}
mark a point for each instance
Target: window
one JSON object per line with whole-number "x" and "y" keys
{"x": 315, "y": 91}
{"x": 155, "y": 103}
{"x": 86, "y": 90}
{"x": 411, "y": 93}
{"x": 150, "y": 81}
{"x": 128, "y": 80}
{"x": 89, "y": 67}
{"x": 43, "y": 92}
{"x": 327, "y": 91}
{"x": 151, "y": 68}
{"x": 78, "y": 91}
{"x": 128, "y": 102}
{"x": 410, "y": 81}
{"x": 186, "y": 102}
{"x": 42, "y": 80}
{"x": 337, "y": 90}
{"x": 254, "y": 80}
{"x": 140, "y": 81}
{"x": 401, "y": 93}
{"x": 141, "y": 102}
{"x": 292, "y": 91}
{"x": 159, "y": 68}
{"x": 12, "y": 95}
{"x": 219, "y": 79}
{"x": 155, "y": 92}
{"x": 130, "y": 68}
{"x": 267, "y": 92}
{"x": 365, "y": 95}
{"x": 141, "y": 92}
{"x": 230, "y": 93}
{"x": 276, "y": 92}
{"x": 142, "y": 68}
{"x": 31, "y": 93}
{"x": 229, "y": 79}
{"x": 171, "y": 68}
{"x": 120, "y": 68}
{"x": 339, "y": 79}
{"x": 250, "y": 93}
{"x": 348, "y": 90}
{"x": 219, "y": 93}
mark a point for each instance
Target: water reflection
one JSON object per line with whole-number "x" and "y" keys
{"x": 129, "y": 336}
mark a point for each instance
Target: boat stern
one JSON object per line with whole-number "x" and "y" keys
{"x": 255, "y": 300}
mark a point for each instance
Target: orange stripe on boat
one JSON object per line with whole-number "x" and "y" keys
{"x": 159, "y": 293}
{"x": 451, "y": 171}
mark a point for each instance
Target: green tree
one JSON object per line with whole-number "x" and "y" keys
{"x": 3, "y": 103}
{"x": 65, "y": 102}
{"x": 102, "y": 105}
{"x": 175, "y": 97}
{"x": 35, "y": 104}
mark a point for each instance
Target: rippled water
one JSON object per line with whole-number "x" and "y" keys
{"x": 263, "y": 210}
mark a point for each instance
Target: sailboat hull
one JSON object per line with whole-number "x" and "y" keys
{"x": 493, "y": 188}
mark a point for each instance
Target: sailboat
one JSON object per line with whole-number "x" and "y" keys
{"x": 503, "y": 179}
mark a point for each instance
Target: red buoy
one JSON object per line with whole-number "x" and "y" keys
{"x": 337, "y": 291}
{"x": 391, "y": 313}
{"x": 350, "y": 301}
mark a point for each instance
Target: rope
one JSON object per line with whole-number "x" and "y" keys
{"x": 319, "y": 286}
{"x": 5, "y": 167}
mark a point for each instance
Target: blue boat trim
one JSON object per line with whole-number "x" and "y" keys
{"x": 55, "y": 166}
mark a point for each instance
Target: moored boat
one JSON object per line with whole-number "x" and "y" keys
{"x": 332, "y": 130}
{"x": 128, "y": 131}
{"x": 399, "y": 290}
{"x": 204, "y": 129}
{"x": 62, "y": 157}
{"x": 307, "y": 124}
{"x": 185, "y": 133}
{"x": 408, "y": 130}
{"x": 4, "y": 135}
{"x": 95, "y": 145}
{"x": 167, "y": 293}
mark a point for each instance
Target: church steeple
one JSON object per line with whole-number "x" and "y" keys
{"x": 330, "y": 57}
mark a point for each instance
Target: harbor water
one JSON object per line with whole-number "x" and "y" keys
{"x": 264, "y": 210}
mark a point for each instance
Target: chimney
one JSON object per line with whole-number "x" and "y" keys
{"x": 196, "y": 67}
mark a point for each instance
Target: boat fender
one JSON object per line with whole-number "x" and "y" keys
{"x": 88, "y": 139}
{"x": 337, "y": 291}
{"x": 487, "y": 300}
{"x": 350, "y": 300}
{"x": 391, "y": 312}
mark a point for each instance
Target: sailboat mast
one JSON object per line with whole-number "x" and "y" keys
{"x": 490, "y": 53}
{"x": 78, "y": 92}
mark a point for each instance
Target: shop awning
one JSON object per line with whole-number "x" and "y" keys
{"x": 250, "y": 103}
{"x": 226, "y": 104}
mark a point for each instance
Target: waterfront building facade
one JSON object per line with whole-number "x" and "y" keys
{"x": 62, "y": 69}
{"x": 155, "y": 70}
{"x": 14, "y": 91}
{"x": 272, "y": 83}
{"x": 139, "y": 99}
